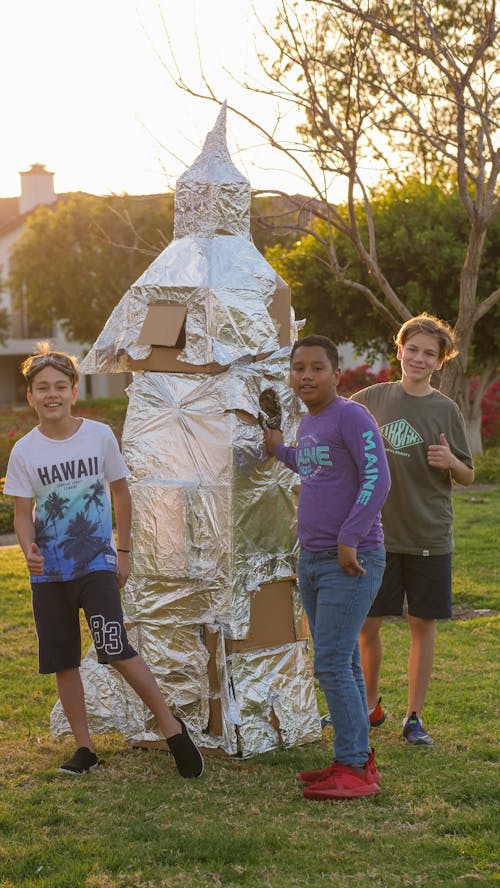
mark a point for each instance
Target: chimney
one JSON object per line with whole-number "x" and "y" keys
{"x": 37, "y": 187}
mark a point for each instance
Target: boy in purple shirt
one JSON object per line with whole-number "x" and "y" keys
{"x": 345, "y": 479}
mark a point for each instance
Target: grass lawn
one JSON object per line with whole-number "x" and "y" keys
{"x": 135, "y": 824}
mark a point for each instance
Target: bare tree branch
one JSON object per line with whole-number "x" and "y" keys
{"x": 408, "y": 83}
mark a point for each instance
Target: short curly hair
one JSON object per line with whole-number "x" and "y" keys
{"x": 323, "y": 342}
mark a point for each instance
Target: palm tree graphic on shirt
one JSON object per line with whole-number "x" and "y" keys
{"x": 95, "y": 497}
{"x": 43, "y": 538}
{"x": 55, "y": 507}
{"x": 82, "y": 541}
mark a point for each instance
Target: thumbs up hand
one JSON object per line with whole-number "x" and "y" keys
{"x": 34, "y": 560}
{"x": 439, "y": 455}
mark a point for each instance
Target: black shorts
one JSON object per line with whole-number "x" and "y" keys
{"x": 56, "y": 608}
{"x": 425, "y": 581}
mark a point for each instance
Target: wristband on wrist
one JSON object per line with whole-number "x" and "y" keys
{"x": 122, "y": 550}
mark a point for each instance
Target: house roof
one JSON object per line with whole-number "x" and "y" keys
{"x": 11, "y": 218}
{"x": 8, "y": 210}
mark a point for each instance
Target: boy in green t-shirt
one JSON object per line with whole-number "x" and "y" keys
{"x": 427, "y": 449}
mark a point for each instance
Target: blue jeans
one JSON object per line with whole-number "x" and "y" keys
{"x": 336, "y": 605}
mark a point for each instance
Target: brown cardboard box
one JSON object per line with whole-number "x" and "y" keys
{"x": 211, "y": 641}
{"x": 280, "y": 311}
{"x": 272, "y": 621}
{"x": 164, "y": 325}
{"x": 164, "y": 330}
{"x": 272, "y": 624}
{"x": 164, "y": 360}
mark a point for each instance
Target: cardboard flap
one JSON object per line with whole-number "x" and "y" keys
{"x": 280, "y": 311}
{"x": 272, "y": 620}
{"x": 164, "y": 325}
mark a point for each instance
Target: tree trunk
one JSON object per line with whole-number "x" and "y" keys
{"x": 454, "y": 379}
{"x": 474, "y": 437}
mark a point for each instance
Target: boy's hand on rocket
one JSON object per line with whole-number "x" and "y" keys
{"x": 35, "y": 560}
{"x": 272, "y": 437}
{"x": 439, "y": 455}
{"x": 348, "y": 560}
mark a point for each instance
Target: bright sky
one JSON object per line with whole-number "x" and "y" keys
{"x": 85, "y": 93}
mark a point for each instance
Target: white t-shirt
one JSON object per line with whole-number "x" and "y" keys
{"x": 69, "y": 481}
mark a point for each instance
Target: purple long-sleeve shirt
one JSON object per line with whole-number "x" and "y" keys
{"x": 344, "y": 477}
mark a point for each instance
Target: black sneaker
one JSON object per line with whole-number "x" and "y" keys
{"x": 187, "y": 756}
{"x": 82, "y": 761}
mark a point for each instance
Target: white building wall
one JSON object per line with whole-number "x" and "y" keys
{"x": 349, "y": 358}
{"x": 37, "y": 187}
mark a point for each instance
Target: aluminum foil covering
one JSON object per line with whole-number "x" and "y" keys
{"x": 178, "y": 660}
{"x": 212, "y": 603}
{"x": 226, "y": 514}
{"x": 275, "y": 696}
{"x": 110, "y": 704}
{"x": 211, "y": 266}
{"x": 212, "y": 197}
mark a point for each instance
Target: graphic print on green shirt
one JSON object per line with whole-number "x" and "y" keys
{"x": 417, "y": 516}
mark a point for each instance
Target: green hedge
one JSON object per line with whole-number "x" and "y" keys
{"x": 6, "y": 514}
{"x": 487, "y": 466}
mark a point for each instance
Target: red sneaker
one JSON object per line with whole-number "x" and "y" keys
{"x": 307, "y": 777}
{"x": 344, "y": 783}
{"x": 372, "y": 768}
{"x": 377, "y": 717}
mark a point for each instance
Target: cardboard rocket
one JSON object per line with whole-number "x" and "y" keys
{"x": 212, "y": 602}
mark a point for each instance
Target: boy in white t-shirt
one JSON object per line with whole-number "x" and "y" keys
{"x": 71, "y": 467}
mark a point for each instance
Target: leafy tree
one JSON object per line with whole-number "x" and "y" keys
{"x": 406, "y": 85}
{"x": 422, "y": 239}
{"x": 73, "y": 262}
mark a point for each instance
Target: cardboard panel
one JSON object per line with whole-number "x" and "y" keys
{"x": 280, "y": 310}
{"x": 164, "y": 360}
{"x": 164, "y": 330}
{"x": 215, "y": 724}
{"x": 164, "y": 326}
{"x": 272, "y": 622}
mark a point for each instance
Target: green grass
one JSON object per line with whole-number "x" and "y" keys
{"x": 135, "y": 824}
{"x": 475, "y": 561}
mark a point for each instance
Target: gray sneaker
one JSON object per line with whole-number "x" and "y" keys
{"x": 414, "y": 734}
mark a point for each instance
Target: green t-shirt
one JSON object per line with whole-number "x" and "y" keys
{"x": 418, "y": 513}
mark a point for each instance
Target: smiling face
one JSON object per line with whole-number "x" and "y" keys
{"x": 419, "y": 358}
{"x": 52, "y": 394}
{"x": 312, "y": 377}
